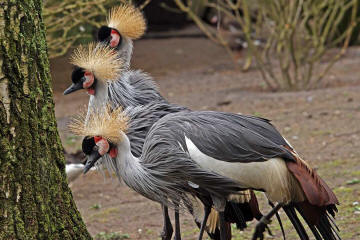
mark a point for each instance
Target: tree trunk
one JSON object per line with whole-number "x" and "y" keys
{"x": 35, "y": 200}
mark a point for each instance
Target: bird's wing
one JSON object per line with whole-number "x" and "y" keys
{"x": 226, "y": 136}
{"x": 142, "y": 118}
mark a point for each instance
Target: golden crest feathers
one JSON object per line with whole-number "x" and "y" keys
{"x": 128, "y": 20}
{"x": 99, "y": 59}
{"x": 106, "y": 123}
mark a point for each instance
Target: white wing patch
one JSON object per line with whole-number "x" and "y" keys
{"x": 193, "y": 185}
{"x": 272, "y": 175}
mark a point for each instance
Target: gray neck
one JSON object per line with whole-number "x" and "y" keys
{"x": 134, "y": 174}
{"x": 133, "y": 88}
{"x": 129, "y": 167}
{"x": 98, "y": 100}
{"x": 125, "y": 50}
{"x": 101, "y": 96}
{"x": 139, "y": 177}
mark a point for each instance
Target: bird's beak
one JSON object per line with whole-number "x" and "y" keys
{"x": 73, "y": 88}
{"x": 92, "y": 158}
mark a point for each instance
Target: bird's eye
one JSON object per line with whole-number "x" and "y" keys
{"x": 96, "y": 148}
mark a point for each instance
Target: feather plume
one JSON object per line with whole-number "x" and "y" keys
{"x": 128, "y": 20}
{"x": 213, "y": 221}
{"x": 106, "y": 123}
{"x": 99, "y": 59}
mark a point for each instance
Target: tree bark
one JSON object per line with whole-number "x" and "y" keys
{"x": 35, "y": 200}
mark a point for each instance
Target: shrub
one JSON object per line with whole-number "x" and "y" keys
{"x": 297, "y": 36}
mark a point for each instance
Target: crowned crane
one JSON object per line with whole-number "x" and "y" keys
{"x": 221, "y": 153}
{"x": 113, "y": 82}
{"x": 100, "y": 71}
{"x": 233, "y": 144}
{"x": 242, "y": 207}
{"x": 165, "y": 175}
{"x": 250, "y": 151}
{"x": 124, "y": 24}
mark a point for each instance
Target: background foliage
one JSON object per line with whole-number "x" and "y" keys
{"x": 70, "y": 22}
{"x": 296, "y": 36}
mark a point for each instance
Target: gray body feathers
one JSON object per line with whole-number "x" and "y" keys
{"x": 133, "y": 88}
{"x": 142, "y": 118}
{"x": 224, "y": 136}
{"x": 163, "y": 174}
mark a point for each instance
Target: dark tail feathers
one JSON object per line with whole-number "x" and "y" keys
{"x": 239, "y": 213}
{"x": 216, "y": 234}
{"x": 324, "y": 229}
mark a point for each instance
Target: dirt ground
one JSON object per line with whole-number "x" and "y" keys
{"x": 323, "y": 125}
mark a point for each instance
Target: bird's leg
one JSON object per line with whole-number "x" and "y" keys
{"x": 207, "y": 210}
{"x": 177, "y": 223}
{"x": 279, "y": 220}
{"x": 219, "y": 204}
{"x": 264, "y": 221}
{"x": 222, "y": 226}
{"x": 167, "y": 229}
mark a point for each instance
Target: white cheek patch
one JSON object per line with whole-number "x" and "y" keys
{"x": 103, "y": 146}
{"x": 89, "y": 80}
{"x": 115, "y": 39}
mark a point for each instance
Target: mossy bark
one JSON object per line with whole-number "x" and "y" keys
{"x": 35, "y": 200}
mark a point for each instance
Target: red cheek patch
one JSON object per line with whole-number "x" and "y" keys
{"x": 113, "y": 152}
{"x": 97, "y": 138}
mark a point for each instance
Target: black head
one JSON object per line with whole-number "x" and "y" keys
{"x": 91, "y": 151}
{"x": 94, "y": 148}
{"x": 109, "y": 36}
{"x": 88, "y": 145}
{"x": 104, "y": 34}
{"x": 81, "y": 80}
{"x": 77, "y": 75}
